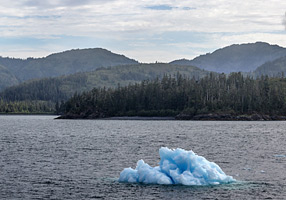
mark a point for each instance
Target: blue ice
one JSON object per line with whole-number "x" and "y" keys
{"x": 177, "y": 166}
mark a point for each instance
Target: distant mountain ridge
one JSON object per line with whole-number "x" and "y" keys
{"x": 274, "y": 68}
{"x": 236, "y": 58}
{"x": 64, "y": 63}
{"x": 254, "y": 58}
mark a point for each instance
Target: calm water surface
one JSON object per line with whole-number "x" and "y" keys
{"x": 42, "y": 158}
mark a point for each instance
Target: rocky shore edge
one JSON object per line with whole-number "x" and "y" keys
{"x": 199, "y": 117}
{"x": 230, "y": 117}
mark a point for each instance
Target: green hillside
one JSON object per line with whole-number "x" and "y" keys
{"x": 7, "y": 79}
{"x": 61, "y": 88}
{"x": 234, "y": 58}
{"x": 65, "y": 63}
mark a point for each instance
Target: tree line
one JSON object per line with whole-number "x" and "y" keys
{"x": 27, "y": 107}
{"x": 47, "y": 89}
{"x": 215, "y": 93}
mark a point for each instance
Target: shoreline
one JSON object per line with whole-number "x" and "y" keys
{"x": 28, "y": 114}
{"x": 183, "y": 117}
{"x": 139, "y": 118}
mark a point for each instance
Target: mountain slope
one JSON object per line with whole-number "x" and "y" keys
{"x": 64, "y": 63}
{"x": 7, "y": 79}
{"x": 274, "y": 68}
{"x": 61, "y": 88}
{"x": 235, "y": 58}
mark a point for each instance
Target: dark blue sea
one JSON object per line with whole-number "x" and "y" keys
{"x": 43, "y": 158}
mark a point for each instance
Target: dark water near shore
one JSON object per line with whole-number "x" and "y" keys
{"x": 42, "y": 158}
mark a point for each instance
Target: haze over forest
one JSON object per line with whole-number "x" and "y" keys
{"x": 57, "y": 77}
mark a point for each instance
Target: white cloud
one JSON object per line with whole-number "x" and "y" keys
{"x": 120, "y": 20}
{"x": 284, "y": 20}
{"x": 252, "y": 37}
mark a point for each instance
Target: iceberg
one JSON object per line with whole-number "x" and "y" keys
{"x": 177, "y": 166}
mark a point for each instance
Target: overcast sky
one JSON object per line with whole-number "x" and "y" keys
{"x": 147, "y": 30}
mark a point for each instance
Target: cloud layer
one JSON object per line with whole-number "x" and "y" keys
{"x": 145, "y": 30}
{"x": 284, "y": 20}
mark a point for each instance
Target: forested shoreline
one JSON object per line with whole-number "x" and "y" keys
{"x": 225, "y": 97}
{"x": 213, "y": 97}
{"x": 27, "y": 107}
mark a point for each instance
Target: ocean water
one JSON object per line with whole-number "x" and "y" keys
{"x": 43, "y": 158}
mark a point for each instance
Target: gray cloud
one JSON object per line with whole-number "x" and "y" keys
{"x": 133, "y": 26}
{"x": 61, "y": 3}
{"x": 284, "y": 20}
{"x": 33, "y": 17}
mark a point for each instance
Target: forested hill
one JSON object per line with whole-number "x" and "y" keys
{"x": 68, "y": 62}
{"x": 228, "y": 97}
{"x": 244, "y": 57}
{"x": 236, "y": 58}
{"x": 62, "y": 88}
{"x": 274, "y": 68}
{"x": 6, "y": 78}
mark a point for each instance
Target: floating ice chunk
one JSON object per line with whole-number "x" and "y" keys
{"x": 143, "y": 173}
{"x": 177, "y": 167}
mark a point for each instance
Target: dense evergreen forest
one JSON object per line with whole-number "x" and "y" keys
{"x": 60, "y": 89}
{"x": 47, "y": 89}
{"x": 40, "y": 96}
{"x": 177, "y": 95}
{"x": 27, "y": 107}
